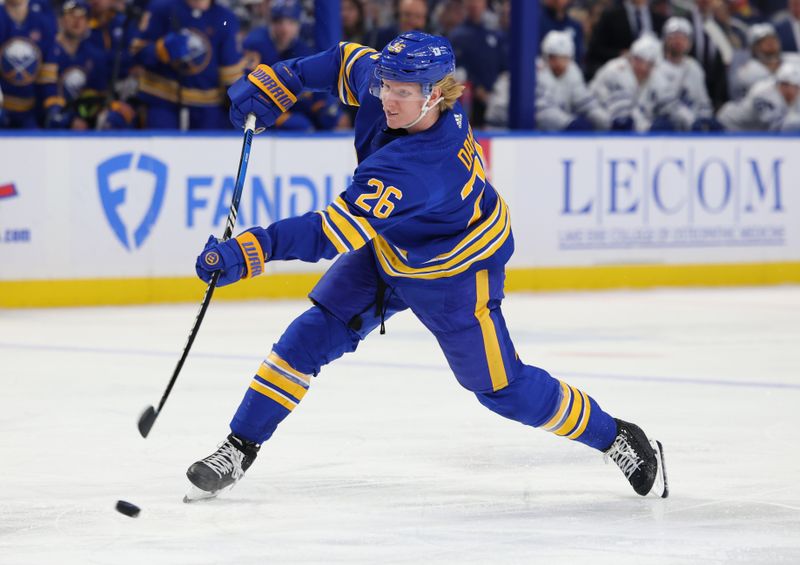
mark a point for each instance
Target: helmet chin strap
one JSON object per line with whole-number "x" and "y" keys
{"x": 423, "y": 112}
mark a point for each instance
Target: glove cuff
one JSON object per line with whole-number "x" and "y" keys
{"x": 267, "y": 80}
{"x": 253, "y": 254}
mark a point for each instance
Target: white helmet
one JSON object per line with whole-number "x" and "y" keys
{"x": 757, "y": 32}
{"x": 677, "y": 25}
{"x": 788, "y": 73}
{"x": 647, "y": 48}
{"x": 558, "y": 43}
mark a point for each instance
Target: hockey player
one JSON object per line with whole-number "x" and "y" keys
{"x": 676, "y": 96}
{"x": 766, "y": 57}
{"x": 189, "y": 52}
{"x": 83, "y": 70}
{"x": 563, "y": 103}
{"x": 28, "y": 70}
{"x": 313, "y": 110}
{"x": 771, "y": 105}
{"x": 419, "y": 228}
{"x": 620, "y": 84}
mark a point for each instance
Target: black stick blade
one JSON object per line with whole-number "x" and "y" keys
{"x": 146, "y": 420}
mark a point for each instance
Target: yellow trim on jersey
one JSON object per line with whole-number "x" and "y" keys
{"x": 330, "y": 234}
{"x": 494, "y": 357}
{"x": 54, "y": 101}
{"x": 363, "y": 223}
{"x": 137, "y": 45}
{"x": 350, "y": 53}
{"x": 353, "y": 236}
{"x": 231, "y": 73}
{"x": 48, "y": 74}
{"x": 587, "y": 411}
{"x": 273, "y": 394}
{"x": 170, "y": 90}
{"x": 278, "y": 361}
{"x": 566, "y": 396}
{"x": 480, "y": 244}
{"x": 476, "y": 213}
{"x": 17, "y": 104}
{"x": 274, "y": 377}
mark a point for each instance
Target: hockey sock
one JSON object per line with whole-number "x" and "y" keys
{"x": 276, "y": 389}
{"x": 579, "y": 417}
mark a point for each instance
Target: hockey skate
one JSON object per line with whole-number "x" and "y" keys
{"x": 221, "y": 470}
{"x": 640, "y": 459}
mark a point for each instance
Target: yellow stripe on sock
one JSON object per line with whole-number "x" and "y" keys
{"x": 274, "y": 377}
{"x": 273, "y": 395}
{"x": 566, "y": 395}
{"x": 574, "y": 414}
{"x": 276, "y": 359}
{"x": 587, "y": 412}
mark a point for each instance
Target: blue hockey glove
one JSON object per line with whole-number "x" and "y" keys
{"x": 623, "y": 123}
{"x": 238, "y": 258}
{"x": 579, "y": 124}
{"x": 56, "y": 118}
{"x": 267, "y": 92}
{"x": 172, "y": 47}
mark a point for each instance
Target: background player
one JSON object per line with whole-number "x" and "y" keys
{"x": 419, "y": 228}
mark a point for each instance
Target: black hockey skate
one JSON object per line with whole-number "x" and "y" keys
{"x": 222, "y": 469}
{"x": 640, "y": 459}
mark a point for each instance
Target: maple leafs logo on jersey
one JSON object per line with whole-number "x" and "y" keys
{"x": 459, "y": 120}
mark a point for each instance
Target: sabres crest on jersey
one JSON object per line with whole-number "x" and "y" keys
{"x": 20, "y": 61}
{"x": 199, "y": 53}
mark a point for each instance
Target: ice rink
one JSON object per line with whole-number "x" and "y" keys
{"x": 388, "y": 460}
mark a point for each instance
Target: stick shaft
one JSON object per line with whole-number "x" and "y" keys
{"x": 144, "y": 427}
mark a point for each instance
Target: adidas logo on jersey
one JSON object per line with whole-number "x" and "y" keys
{"x": 459, "y": 120}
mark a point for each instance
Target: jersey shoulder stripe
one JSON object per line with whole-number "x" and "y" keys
{"x": 349, "y": 54}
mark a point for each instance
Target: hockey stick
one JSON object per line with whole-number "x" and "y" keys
{"x": 148, "y": 417}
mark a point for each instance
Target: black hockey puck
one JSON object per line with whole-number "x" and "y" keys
{"x": 128, "y": 509}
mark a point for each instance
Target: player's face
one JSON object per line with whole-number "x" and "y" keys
{"x": 201, "y": 5}
{"x": 558, "y": 64}
{"x": 677, "y": 44}
{"x": 768, "y": 51}
{"x": 284, "y": 31}
{"x": 402, "y": 102}
{"x": 789, "y": 92}
{"x": 75, "y": 24}
{"x": 641, "y": 69}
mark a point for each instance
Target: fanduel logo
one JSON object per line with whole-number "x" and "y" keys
{"x": 127, "y": 181}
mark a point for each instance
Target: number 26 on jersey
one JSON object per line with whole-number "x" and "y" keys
{"x": 384, "y": 195}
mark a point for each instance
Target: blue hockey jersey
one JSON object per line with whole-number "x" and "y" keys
{"x": 422, "y": 201}
{"x": 214, "y": 61}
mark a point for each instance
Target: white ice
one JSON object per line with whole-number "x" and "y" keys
{"x": 388, "y": 460}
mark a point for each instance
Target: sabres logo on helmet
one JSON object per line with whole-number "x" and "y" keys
{"x": 396, "y": 46}
{"x": 211, "y": 258}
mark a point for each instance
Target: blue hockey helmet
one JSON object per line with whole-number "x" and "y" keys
{"x": 415, "y": 56}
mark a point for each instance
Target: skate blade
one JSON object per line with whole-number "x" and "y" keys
{"x": 195, "y": 494}
{"x": 660, "y": 486}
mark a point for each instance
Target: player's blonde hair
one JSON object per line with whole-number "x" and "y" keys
{"x": 451, "y": 91}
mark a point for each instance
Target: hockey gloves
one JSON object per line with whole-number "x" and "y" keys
{"x": 238, "y": 258}
{"x": 173, "y": 47}
{"x": 267, "y": 92}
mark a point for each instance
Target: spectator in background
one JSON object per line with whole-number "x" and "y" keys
{"x": 28, "y": 70}
{"x": 620, "y": 85}
{"x": 83, "y": 70}
{"x": 770, "y": 105}
{"x": 189, "y": 52}
{"x": 554, "y": 16}
{"x": 281, "y": 41}
{"x": 676, "y": 97}
{"x": 563, "y": 103}
{"x": 480, "y": 53}
{"x": 618, "y": 27}
{"x": 353, "y": 22}
{"x": 788, "y": 29}
{"x": 412, "y": 15}
{"x": 448, "y": 15}
{"x": 765, "y": 58}
{"x": 710, "y": 46}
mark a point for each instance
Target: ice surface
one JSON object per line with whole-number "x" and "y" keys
{"x": 388, "y": 460}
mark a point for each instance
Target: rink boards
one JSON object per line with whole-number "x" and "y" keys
{"x": 103, "y": 219}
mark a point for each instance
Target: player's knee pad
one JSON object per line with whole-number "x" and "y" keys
{"x": 529, "y": 399}
{"x": 315, "y": 338}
